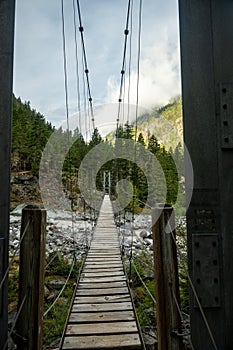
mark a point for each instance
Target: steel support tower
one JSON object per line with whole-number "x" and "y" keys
{"x": 7, "y": 11}
{"x": 206, "y": 34}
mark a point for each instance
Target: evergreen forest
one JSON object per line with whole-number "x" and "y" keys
{"x": 31, "y": 131}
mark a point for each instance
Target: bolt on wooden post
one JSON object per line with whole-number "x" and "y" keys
{"x": 166, "y": 278}
{"x": 31, "y": 279}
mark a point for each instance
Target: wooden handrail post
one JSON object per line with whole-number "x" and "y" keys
{"x": 31, "y": 279}
{"x": 166, "y": 279}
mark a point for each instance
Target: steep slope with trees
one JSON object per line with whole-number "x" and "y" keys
{"x": 30, "y": 133}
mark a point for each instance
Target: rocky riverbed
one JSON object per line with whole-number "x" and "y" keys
{"x": 68, "y": 231}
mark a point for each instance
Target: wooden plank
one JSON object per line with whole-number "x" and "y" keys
{"x": 99, "y": 246}
{"x": 105, "y": 266}
{"x": 101, "y": 257}
{"x": 107, "y": 251}
{"x": 110, "y": 284}
{"x": 102, "y": 274}
{"x": 102, "y": 299}
{"x": 108, "y": 247}
{"x": 102, "y": 328}
{"x": 103, "y": 263}
{"x": 95, "y": 279}
{"x": 87, "y": 317}
{"x": 108, "y": 342}
{"x": 100, "y": 291}
{"x": 104, "y": 252}
{"x": 103, "y": 270}
{"x": 109, "y": 240}
{"x": 102, "y": 307}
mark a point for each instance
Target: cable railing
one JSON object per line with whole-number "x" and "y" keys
{"x": 61, "y": 291}
{"x": 143, "y": 283}
{"x": 16, "y": 250}
{"x": 12, "y": 329}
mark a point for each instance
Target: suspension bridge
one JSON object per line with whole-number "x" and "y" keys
{"x": 207, "y": 104}
{"x": 102, "y": 315}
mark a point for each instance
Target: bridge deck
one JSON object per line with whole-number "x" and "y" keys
{"x": 102, "y": 315}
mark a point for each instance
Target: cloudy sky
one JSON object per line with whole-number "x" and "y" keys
{"x": 38, "y": 64}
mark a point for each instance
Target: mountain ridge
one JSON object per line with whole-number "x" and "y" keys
{"x": 164, "y": 122}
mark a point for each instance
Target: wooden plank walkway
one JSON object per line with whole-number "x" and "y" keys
{"x": 102, "y": 315}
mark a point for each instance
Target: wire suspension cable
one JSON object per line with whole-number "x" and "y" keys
{"x": 81, "y": 29}
{"x": 65, "y": 64}
{"x": 77, "y": 68}
{"x": 15, "y": 252}
{"x": 143, "y": 283}
{"x": 84, "y": 98}
{"x": 61, "y": 291}
{"x": 130, "y": 59}
{"x": 146, "y": 205}
{"x": 138, "y": 67}
{"x": 123, "y": 102}
{"x": 136, "y": 118}
{"x": 66, "y": 101}
{"x": 51, "y": 260}
{"x": 181, "y": 317}
{"x": 126, "y": 32}
{"x": 15, "y": 320}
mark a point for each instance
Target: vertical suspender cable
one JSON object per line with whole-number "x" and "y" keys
{"x": 77, "y": 69}
{"x": 84, "y": 98}
{"x": 67, "y": 115}
{"x": 65, "y": 64}
{"x": 138, "y": 68}
{"x": 136, "y": 123}
{"x": 130, "y": 58}
{"x": 66, "y": 87}
{"x": 126, "y": 32}
{"x": 81, "y": 29}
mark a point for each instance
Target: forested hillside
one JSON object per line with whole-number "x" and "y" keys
{"x": 30, "y": 133}
{"x": 165, "y": 123}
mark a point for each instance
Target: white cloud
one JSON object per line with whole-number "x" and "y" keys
{"x": 159, "y": 77}
{"x": 38, "y": 67}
